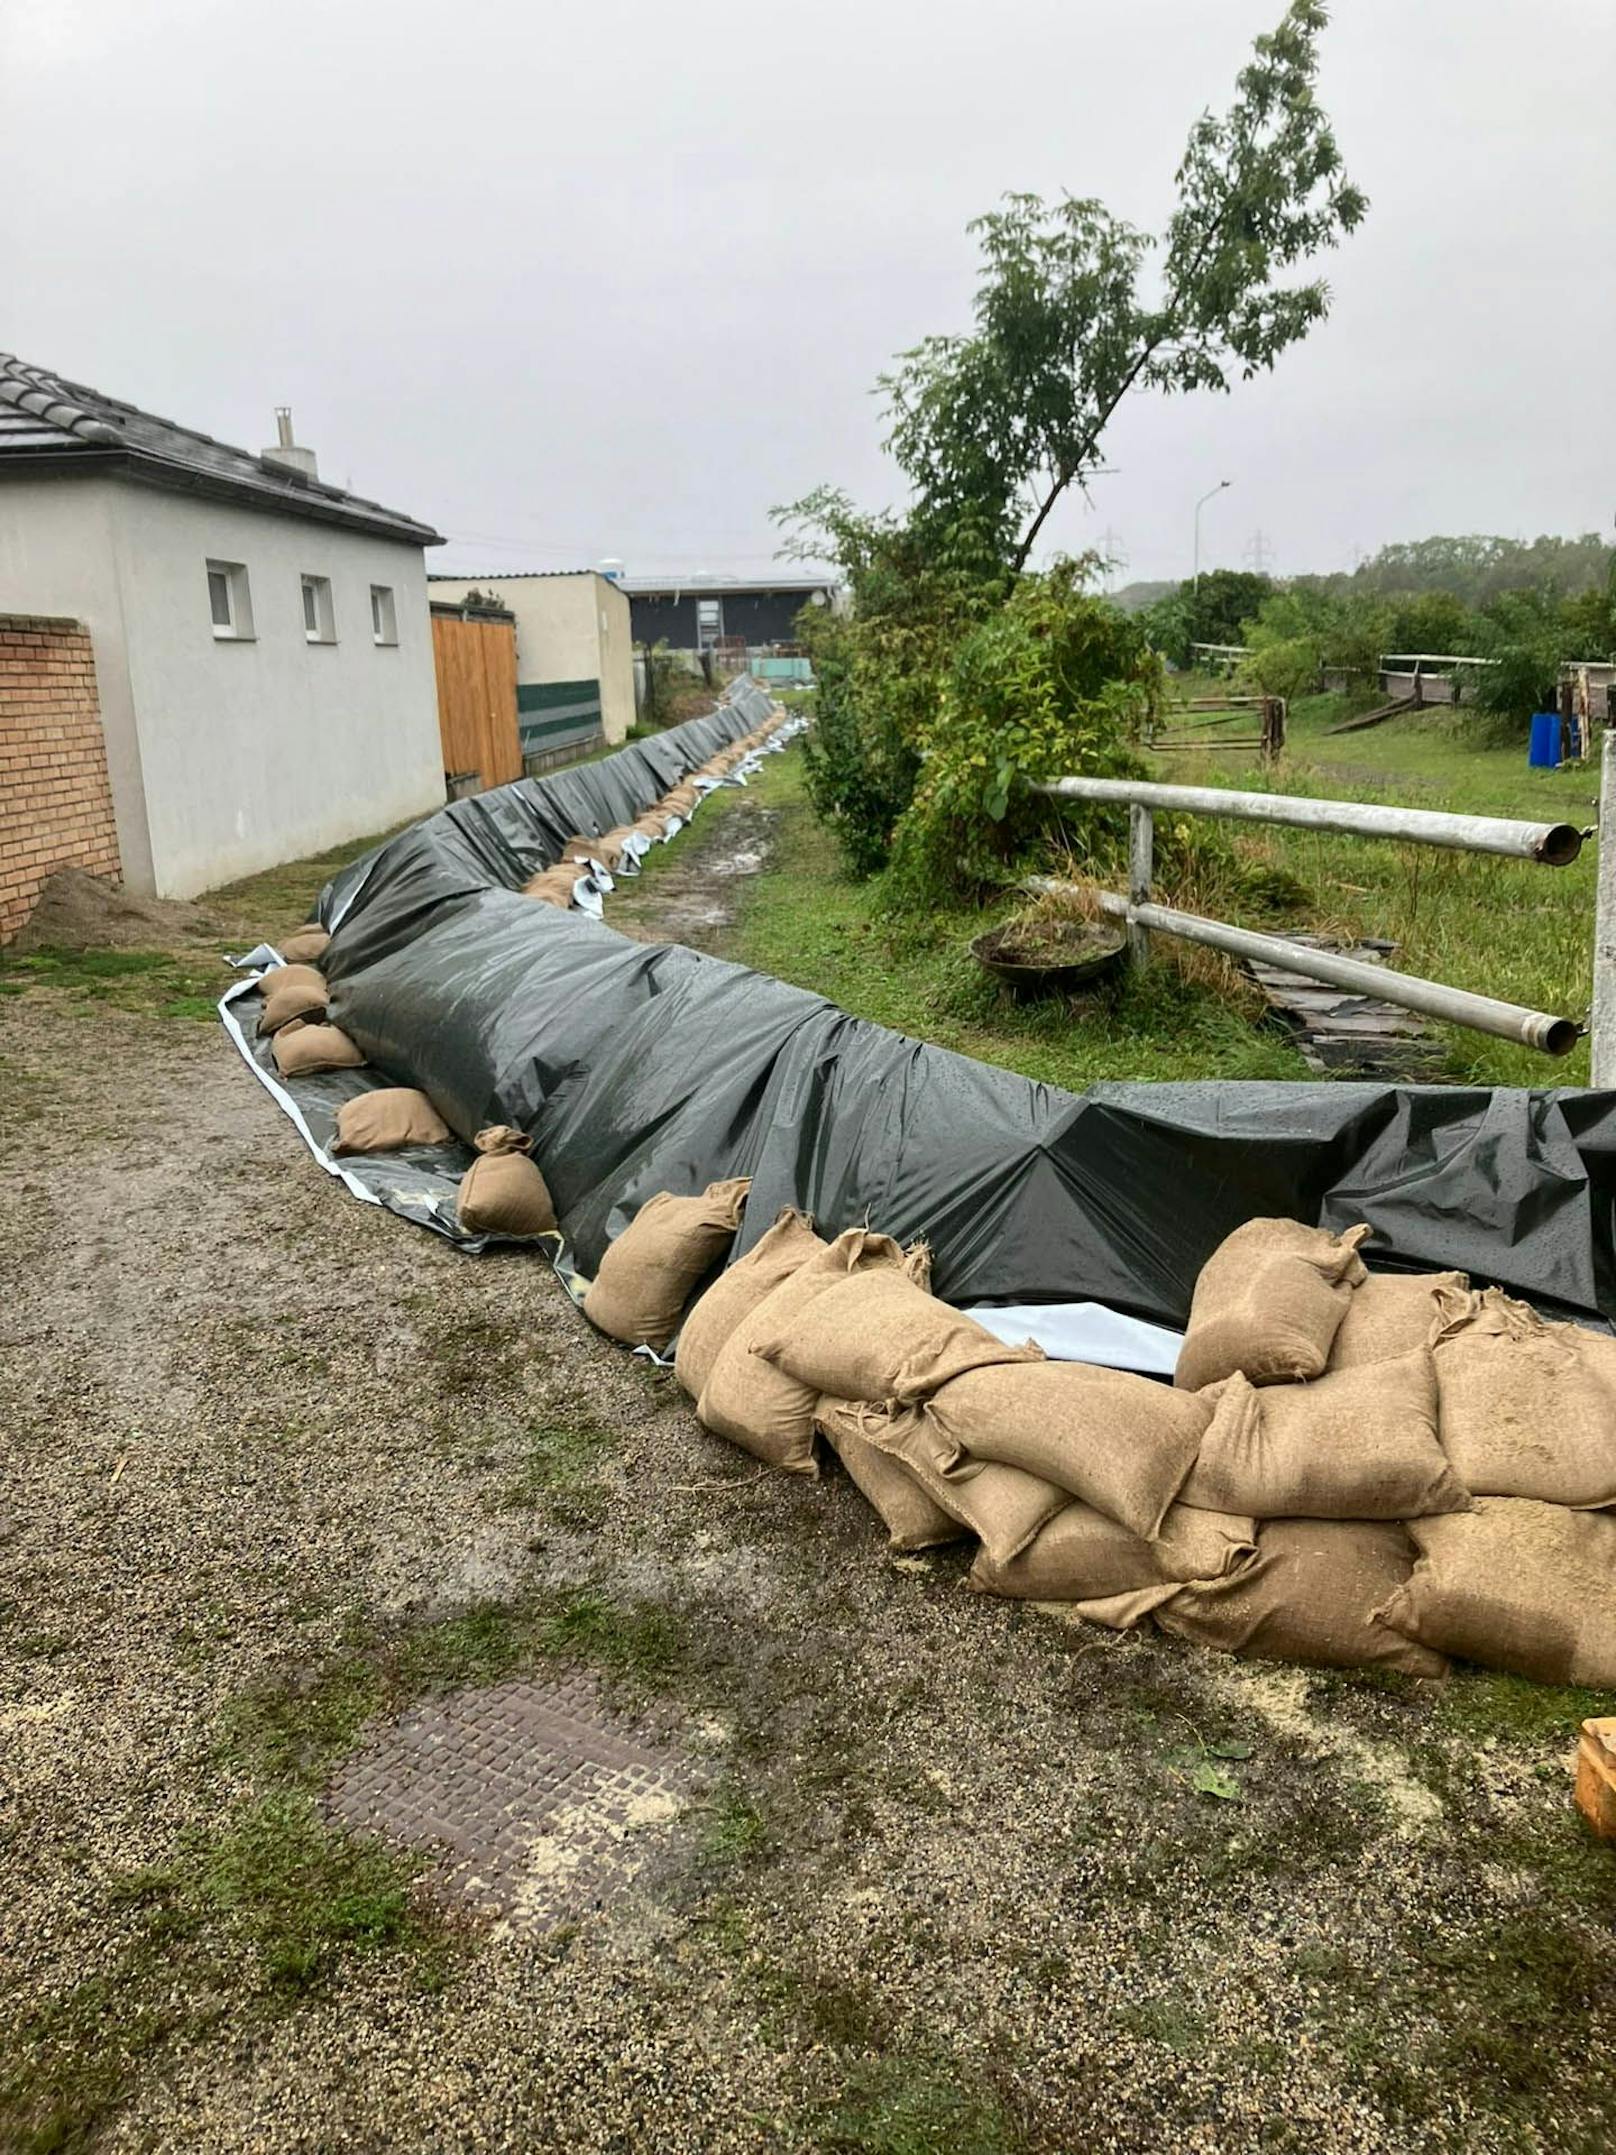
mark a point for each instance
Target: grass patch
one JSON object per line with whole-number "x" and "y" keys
{"x": 151, "y": 983}
{"x": 1191, "y": 1015}
{"x": 911, "y": 2106}
{"x": 1479, "y": 1703}
{"x": 805, "y": 920}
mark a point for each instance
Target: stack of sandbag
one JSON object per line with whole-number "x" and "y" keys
{"x": 1431, "y": 1469}
{"x": 1065, "y": 1475}
{"x": 293, "y": 1018}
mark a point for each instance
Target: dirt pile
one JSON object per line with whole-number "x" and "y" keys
{"x": 76, "y": 911}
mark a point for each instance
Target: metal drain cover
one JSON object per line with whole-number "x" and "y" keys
{"x": 538, "y": 1800}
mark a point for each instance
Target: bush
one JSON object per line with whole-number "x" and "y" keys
{"x": 1056, "y": 681}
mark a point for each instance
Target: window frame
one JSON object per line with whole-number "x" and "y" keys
{"x": 313, "y": 585}
{"x": 237, "y": 627}
{"x": 383, "y": 617}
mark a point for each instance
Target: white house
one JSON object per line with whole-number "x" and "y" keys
{"x": 262, "y": 643}
{"x": 574, "y": 655}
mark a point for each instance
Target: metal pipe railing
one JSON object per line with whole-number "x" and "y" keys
{"x": 1454, "y": 1006}
{"x": 1552, "y": 844}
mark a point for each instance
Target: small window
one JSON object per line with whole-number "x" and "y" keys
{"x": 319, "y": 624}
{"x": 709, "y": 622}
{"x": 383, "y": 615}
{"x": 229, "y": 605}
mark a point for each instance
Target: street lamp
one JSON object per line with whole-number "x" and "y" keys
{"x": 1199, "y": 506}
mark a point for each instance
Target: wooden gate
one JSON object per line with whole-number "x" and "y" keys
{"x": 475, "y": 658}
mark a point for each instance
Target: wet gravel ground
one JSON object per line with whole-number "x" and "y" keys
{"x": 973, "y": 1901}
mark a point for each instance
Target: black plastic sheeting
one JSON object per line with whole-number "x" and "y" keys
{"x": 641, "y": 1068}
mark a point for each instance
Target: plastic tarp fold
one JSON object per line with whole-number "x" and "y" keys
{"x": 641, "y": 1067}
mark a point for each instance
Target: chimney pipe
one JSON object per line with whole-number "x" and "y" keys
{"x": 287, "y": 456}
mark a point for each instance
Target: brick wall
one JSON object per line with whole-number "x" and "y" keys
{"x": 55, "y": 803}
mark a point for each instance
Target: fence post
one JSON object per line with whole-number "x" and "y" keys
{"x": 1141, "y": 866}
{"x": 1603, "y": 1071}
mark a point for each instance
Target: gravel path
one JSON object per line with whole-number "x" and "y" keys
{"x": 946, "y": 1884}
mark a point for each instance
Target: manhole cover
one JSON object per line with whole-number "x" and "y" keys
{"x": 538, "y": 1800}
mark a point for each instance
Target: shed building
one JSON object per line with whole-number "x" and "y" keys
{"x": 574, "y": 656}
{"x": 261, "y": 648}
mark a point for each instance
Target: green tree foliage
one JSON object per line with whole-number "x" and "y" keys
{"x": 1074, "y": 308}
{"x": 991, "y": 428}
{"x": 1056, "y": 680}
{"x": 1478, "y": 569}
{"x": 1214, "y": 611}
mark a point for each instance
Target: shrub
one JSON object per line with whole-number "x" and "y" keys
{"x": 1056, "y": 681}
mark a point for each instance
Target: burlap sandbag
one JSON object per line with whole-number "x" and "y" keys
{"x": 1515, "y": 1585}
{"x": 503, "y": 1192}
{"x": 1391, "y": 1313}
{"x": 383, "y": 1120}
{"x": 912, "y": 1518}
{"x": 1268, "y": 1304}
{"x": 680, "y": 801}
{"x": 305, "y": 946}
{"x": 614, "y": 848}
{"x": 653, "y": 824}
{"x": 1313, "y": 1594}
{"x": 1358, "y": 1444}
{"x": 649, "y": 1273}
{"x": 754, "y": 1403}
{"x": 291, "y": 991}
{"x": 1121, "y": 1443}
{"x": 553, "y": 886}
{"x": 736, "y": 1293}
{"x": 1526, "y": 1409}
{"x": 582, "y": 851}
{"x": 879, "y": 1336}
{"x": 1002, "y": 1506}
{"x": 1081, "y": 1555}
{"x": 302, "y": 1049}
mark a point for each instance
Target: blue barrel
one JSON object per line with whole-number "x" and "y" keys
{"x": 1544, "y": 752}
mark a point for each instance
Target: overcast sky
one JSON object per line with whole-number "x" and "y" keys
{"x": 613, "y": 277}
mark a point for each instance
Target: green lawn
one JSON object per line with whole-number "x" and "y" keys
{"x": 1504, "y": 928}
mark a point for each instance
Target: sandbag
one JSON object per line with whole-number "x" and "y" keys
{"x": 1002, "y": 1506}
{"x": 303, "y": 1050}
{"x": 613, "y": 849}
{"x": 503, "y": 1192}
{"x": 1391, "y": 1313}
{"x": 291, "y": 991}
{"x": 750, "y": 1400}
{"x": 912, "y": 1518}
{"x": 1081, "y": 1555}
{"x": 1314, "y": 1593}
{"x": 653, "y": 824}
{"x": 1526, "y": 1409}
{"x": 1120, "y": 1442}
{"x": 680, "y": 801}
{"x": 383, "y": 1120}
{"x": 305, "y": 946}
{"x": 1268, "y": 1304}
{"x": 879, "y": 1336}
{"x": 1515, "y": 1585}
{"x": 649, "y": 1272}
{"x": 553, "y": 886}
{"x": 736, "y": 1293}
{"x": 1358, "y": 1444}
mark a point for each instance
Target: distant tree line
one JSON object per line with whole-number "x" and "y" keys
{"x": 1528, "y": 606}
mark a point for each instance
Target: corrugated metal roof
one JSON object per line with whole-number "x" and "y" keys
{"x": 44, "y": 416}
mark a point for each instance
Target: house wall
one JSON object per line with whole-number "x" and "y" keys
{"x": 55, "y": 802}
{"x": 257, "y": 751}
{"x": 574, "y": 653}
{"x": 761, "y": 617}
{"x": 58, "y": 556}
